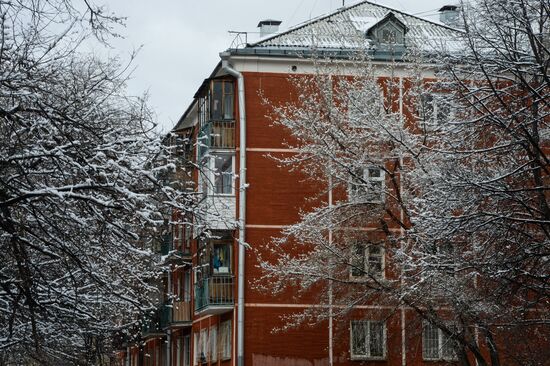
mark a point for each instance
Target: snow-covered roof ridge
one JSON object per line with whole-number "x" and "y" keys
{"x": 349, "y": 22}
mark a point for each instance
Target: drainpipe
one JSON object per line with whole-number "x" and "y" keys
{"x": 169, "y": 331}
{"x": 242, "y": 204}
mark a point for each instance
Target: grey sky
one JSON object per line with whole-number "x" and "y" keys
{"x": 181, "y": 39}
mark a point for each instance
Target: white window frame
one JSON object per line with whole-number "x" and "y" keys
{"x": 213, "y": 173}
{"x": 225, "y": 340}
{"x": 207, "y": 175}
{"x": 179, "y": 350}
{"x": 213, "y": 343}
{"x": 356, "y": 186}
{"x": 442, "y": 340}
{"x": 204, "y": 345}
{"x": 367, "y": 355}
{"x": 196, "y": 341}
{"x": 434, "y": 121}
{"x": 366, "y": 263}
{"x": 186, "y": 350}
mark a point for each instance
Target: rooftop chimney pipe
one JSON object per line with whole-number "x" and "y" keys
{"x": 268, "y": 26}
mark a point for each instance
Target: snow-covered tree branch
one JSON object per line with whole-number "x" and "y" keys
{"x": 435, "y": 184}
{"x": 81, "y": 197}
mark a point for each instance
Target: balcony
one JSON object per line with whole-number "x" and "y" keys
{"x": 214, "y": 295}
{"x": 176, "y": 315}
{"x": 217, "y": 135}
{"x": 151, "y": 325}
{"x": 173, "y": 255}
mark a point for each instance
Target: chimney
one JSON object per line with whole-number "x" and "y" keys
{"x": 268, "y": 26}
{"x": 449, "y": 15}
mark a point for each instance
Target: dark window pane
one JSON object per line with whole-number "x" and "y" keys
{"x": 376, "y": 341}
{"x": 228, "y": 107}
{"x": 223, "y": 165}
{"x": 359, "y": 341}
{"x": 216, "y": 109}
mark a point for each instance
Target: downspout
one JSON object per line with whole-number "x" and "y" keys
{"x": 169, "y": 331}
{"x": 242, "y": 204}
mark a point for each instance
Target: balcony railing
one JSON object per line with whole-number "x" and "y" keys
{"x": 152, "y": 324}
{"x": 223, "y": 134}
{"x": 214, "y": 294}
{"x": 178, "y": 313}
{"x": 217, "y": 135}
{"x": 167, "y": 247}
{"x": 181, "y": 311}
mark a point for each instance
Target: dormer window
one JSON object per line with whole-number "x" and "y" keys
{"x": 389, "y": 30}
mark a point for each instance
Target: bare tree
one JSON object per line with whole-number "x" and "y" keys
{"x": 453, "y": 185}
{"x": 80, "y": 190}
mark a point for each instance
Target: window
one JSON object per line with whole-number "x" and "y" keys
{"x": 213, "y": 343}
{"x": 216, "y": 175}
{"x": 179, "y": 349}
{"x": 367, "y": 260}
{"x": 365, "y": 104}
{"x": 368, "y": 186}
{"x": 186, "y": 350}
{"x": 436, "y": 345}
{"x": 196, "y": 355}
{"x": 225, "y": 340}
{"x": 221, "y": 258}
{"x": 187, "y": 286}
{"x": 204, "y": 345}
{"x": 434, "y": 110}
{"x": 222, "y": 100}
{"x": 223, "y": 174}
{"x": 178, "y": 236}
{"x": 368, "y": 339}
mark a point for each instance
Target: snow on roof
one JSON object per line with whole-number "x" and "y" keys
{"x": 346, "y": 26}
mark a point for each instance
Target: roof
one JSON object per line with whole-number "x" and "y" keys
{"x": 345, "y": 27}
{"x": 269, "y": 22}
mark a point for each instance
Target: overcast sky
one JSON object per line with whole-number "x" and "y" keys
{"x": 181, "y": 39}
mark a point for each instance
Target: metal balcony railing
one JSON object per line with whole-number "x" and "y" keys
{"x": 214, "y": 292}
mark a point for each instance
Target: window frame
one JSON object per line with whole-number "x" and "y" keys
{"x": 442, "y": 341}
{"x": 213, "y": 352}
{"x": 365, "y": 247}
{"x": 365, "y": 184}
{"x": 224, "y": 95}
{"x": 213, "y": 171}
{"x": 429, "y": 114}
{"x": 207, "y": 175}
{"x": 367, "y": 356}
{"x": 225, "y": 341}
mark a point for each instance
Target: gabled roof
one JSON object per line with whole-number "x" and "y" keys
{"x": 344, "y": 27}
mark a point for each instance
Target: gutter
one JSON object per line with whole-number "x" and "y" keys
{"x": 242, "y": 203}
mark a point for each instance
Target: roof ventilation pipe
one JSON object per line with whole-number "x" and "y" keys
{"x": 242, "y": 204}
{"x": 268, "y": 26}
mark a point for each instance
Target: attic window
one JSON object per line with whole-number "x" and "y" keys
{"x": 390, "y": 33}
{"x": 389, "y": 30}
{"x": 389, "y": 36}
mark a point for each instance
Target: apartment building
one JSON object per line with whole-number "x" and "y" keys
{"x": 211, "y": 311}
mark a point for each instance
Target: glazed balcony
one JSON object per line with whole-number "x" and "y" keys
{"x": 172, "y": 254}
{"x": 178, "y": 314}
{"x": 151, "y": 325}
{"x": 214, "y": 295}
{"x": 217, "y": 135}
